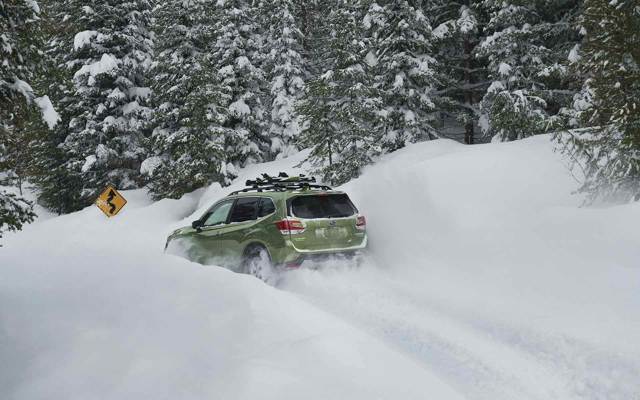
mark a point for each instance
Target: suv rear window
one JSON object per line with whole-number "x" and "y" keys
{"x": 266, "y": 207}
{"x": 322, "y": 206}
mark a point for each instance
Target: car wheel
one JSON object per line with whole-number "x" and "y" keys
{"x": 258, "y": 263}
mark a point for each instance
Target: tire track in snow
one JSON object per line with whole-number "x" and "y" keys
{"x": 480, "y": 358}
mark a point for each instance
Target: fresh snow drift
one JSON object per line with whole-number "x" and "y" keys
{"x": 485, "y": 281}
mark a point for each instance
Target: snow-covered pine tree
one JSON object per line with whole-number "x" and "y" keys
{"x": 187, "y": 139}
{"x": 526, "y": 47}
{"x": 241, "y": 85}
{"x": 607, "y": 144}
{"x": 59, "y": 188}
{"x": 20, "y": 64}
{"x": 311, "y": 18}
{"x": 110, "y": 58}
{"x": 340, "y": 107}
{"x": 15, "y": 210}
{"x": 405, "y": 70}
{"x": 20, "y": 47}
{"x": 458, "y": 28}
{"x": 284, "y": 68}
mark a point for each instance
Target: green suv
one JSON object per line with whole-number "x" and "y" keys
{"x": 275, "y": 222}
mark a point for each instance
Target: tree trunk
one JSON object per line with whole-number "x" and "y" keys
{"x": 468, "y": 94}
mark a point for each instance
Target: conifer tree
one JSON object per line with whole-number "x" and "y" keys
{"x": 405, "y": 70}
{"x": 20, "y": 47}
{"x": 607, "y": 143}
{"x": 283, "y": 65}
{"x": 340, "y": 107}
{"x": 240, "y": 85}
{"x": 187, "y": 139}
{"x": 20, "y": 64}
{"x": 59, "y": 188}
{"x": 110, "y": 58}
{"x": 311, "y": 18}
{"x": 526, "y": 48}
{"x": 462, "y": 82}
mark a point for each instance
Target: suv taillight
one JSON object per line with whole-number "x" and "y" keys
{"x": 290, "y": 226}
{"x": 361, "y": 223}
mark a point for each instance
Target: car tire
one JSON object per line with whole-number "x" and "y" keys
{"x": 257, "y": 262}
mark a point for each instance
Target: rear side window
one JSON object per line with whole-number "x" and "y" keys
{"x": 266, "y": 207}
{"x": 245, "y": 209}
{"x": 322, "y": 206}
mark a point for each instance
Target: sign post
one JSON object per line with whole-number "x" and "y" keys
{"x": 110, "y": 201}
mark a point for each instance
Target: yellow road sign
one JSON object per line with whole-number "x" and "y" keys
{"x": 110, "y": 201}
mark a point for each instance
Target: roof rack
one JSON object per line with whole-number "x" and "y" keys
{"x": 281, "y": 183}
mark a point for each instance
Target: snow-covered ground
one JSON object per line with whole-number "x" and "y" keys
{"x": 486, "y": 280}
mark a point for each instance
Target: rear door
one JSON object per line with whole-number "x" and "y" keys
{"x": 329, "y": 221}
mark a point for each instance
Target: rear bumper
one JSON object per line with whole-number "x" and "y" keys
{"x": 296, "y": 257}
{"x": 361, "y": 246}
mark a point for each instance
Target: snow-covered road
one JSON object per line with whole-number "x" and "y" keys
{"x": 485, "y": 281}
{"x": 481, "y": 357}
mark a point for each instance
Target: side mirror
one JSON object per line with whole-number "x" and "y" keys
{"x": 196, "y": 224}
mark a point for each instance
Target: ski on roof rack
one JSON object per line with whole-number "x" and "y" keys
{"x": 281, "y": 183}
{"x": 281, "y": 178}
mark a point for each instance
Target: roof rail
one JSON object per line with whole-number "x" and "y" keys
{"x": 281, "y": 183}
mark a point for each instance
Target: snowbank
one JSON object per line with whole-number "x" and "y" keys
{"x": 486, "y": 281}
{"x": 91, "y": 307}
{"x": 117, "y": 321}
{"x": 487, "y": 270}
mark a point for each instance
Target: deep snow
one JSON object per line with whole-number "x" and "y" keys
{"x": 485, "y": 281}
